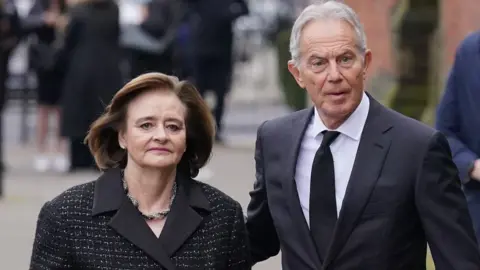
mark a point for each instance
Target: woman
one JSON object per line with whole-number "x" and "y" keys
{"x": 145, "y": 211}
{"x": 93, "y": 56}
{"x": 42, "y": 23}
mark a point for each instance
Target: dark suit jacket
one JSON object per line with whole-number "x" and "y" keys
{"x": 403, "y": 192}
{"x": 95, "y": 226}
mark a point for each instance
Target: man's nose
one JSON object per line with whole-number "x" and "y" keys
{"x": 334, "y": 75}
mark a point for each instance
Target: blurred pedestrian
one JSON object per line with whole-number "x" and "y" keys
{"x": 160, "y": 23}
{"x": 41, "y": 23}
{"x": 458, "y": 117}
{"x": 92, "y": 53}
{"x": 212, "y": 38}
{"x": 10, "y": 34}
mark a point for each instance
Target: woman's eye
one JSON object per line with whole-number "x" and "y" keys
{"x": 173, "y": 127}
{"x": 146, "y": 125}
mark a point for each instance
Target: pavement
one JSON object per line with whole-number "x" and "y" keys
{"x": 26, "y": 190}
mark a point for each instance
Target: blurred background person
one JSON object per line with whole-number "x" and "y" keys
{"x": 149, "y": 43}
{"x": 212, "y": 36}
{"x": 458, "y": 117}
{"x": 160, "y": 20}
{"x": 41, "y": 23}
{"x": 93, "y": 56}
{"x": 10, "y": 33}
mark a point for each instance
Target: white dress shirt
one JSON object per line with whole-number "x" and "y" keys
{"x": 344, "y": 151}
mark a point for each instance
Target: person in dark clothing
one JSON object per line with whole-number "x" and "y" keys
{"x": 458, "y": 117}
{"x": 93, "y": 76}
{"x": 10, "y": 33}
{"x": 161, "y": 20}
{"x": 212, "y": 25}
{"x": 41, "y": 23}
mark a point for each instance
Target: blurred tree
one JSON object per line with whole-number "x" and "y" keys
{"x": 417, "y": 29}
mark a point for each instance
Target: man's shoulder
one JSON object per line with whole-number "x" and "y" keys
{"x": 409, "y": 129}
{"x": 470, "y": 45}
{"x": 283, "y": 123}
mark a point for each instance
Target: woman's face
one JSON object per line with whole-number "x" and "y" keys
{"x": 155, "y": 132}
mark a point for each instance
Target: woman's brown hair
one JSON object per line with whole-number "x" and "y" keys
{"x": 102, "y": 138}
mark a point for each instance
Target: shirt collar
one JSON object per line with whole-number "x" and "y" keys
{"x": 354, "y": 124}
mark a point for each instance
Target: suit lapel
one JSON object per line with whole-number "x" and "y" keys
{"x": 371, "y": 153}
{"x": 299, "y": 126}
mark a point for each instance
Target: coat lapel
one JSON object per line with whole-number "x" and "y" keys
{"x": 299, "y": 126}
{"x": 187, "y": 213}
{"x": 188, "y": 209}
{"x": 372, "y": 150}
{"x": 130, "y": 224}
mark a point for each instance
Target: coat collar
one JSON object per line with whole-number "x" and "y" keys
{"x": 188, "y": 210}
{"x": 109, "y": 193}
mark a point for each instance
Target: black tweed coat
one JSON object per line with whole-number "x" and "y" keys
{"x": 95, "y": 226}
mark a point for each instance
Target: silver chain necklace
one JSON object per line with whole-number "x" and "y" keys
{"x": 159, "y": 215}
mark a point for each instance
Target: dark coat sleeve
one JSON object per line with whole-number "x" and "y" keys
{"x": 448, "y": 115}
{"x": 262, "y": 234}
{"x": 443, "y": 210}
{"x": 239, "y": 249}
{"x": 50, "y": 247}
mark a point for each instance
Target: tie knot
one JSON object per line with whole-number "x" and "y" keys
{"x": 329, "y": 137}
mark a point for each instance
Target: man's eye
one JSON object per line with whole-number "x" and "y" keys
{"x": 318, "y": 63}
{"x": 345, "y": 59}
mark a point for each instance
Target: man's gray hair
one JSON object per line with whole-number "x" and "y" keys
{"x": 323, "y": 10}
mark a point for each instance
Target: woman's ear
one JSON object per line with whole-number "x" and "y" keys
{"x": 121, "y": 140}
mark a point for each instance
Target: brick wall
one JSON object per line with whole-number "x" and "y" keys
{"x": 459, "y": 18}
{"x": 375, "y": 16}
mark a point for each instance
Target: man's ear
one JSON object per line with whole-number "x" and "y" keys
{"x": 367, "y": 61}
{"x": 295, "y": 73}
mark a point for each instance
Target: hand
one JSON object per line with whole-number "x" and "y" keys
{"x": 475, "y": 173}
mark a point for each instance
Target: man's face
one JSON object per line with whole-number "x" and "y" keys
{"x": 331, "y": 67}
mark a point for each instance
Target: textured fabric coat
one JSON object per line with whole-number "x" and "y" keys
{"x": 95, "y": 226}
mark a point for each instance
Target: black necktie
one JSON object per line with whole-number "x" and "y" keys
{"x": 323, "y": 207}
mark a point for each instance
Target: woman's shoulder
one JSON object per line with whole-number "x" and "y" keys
{"x": 75, "y": 200}
{"x": 218, "y": 200}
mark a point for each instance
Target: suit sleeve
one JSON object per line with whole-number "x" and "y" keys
{"x": 50, "y": 247}
{"x": 264, "y": 242}
{"x": 239, "y": 251}
{"x": 448, "y": 117}
{"x": 443, "y": 210}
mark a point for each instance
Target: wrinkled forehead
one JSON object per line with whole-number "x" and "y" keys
{"x": 329, "y": 36}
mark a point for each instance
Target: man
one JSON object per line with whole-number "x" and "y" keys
{"x": 212, "y": 37}
{"x": 379, "y": 187}
{"x": 458, "y": 118}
